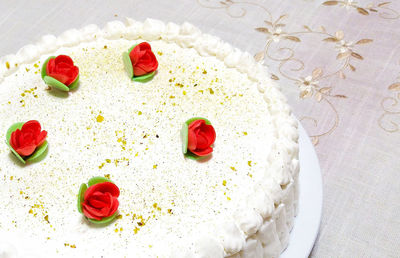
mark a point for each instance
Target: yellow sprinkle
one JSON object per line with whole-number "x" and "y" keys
{"x": 100, "y": 118}
{"x": 36, "y": 65}
{"x": 229, "y": 198}
{"x": 184, "y": 92}
{"x": 139, "y": 113}
{"x": 245, "y": 133}
{"x": 154, "y": 166}
{"x": 233, "y": 168}
{"x": 249, "y": 163}
{"x": 155, "y": 205}
{"x": 224, "y": 183}
{"x": 8, "y": 65}
{"x": 108, "y": 160}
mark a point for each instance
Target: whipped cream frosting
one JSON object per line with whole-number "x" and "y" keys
{"x": 239, "y": 203}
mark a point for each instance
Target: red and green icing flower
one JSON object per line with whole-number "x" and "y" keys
{"x": 60, "y": 72}
{"x": 140, "y": 62}
{"x": 98, "y": 200}
{"x": 27, "y": 140}
{"x": 198, "y": 136}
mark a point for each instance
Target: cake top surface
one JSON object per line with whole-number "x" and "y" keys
{"x": 128, "y": 132}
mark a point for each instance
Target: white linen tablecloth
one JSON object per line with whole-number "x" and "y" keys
{"x": 338, "y": 62}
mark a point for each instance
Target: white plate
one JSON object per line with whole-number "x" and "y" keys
{"x": 306, "y": 224}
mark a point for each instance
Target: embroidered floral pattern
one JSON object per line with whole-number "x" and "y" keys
{"x": 390, "y": 119}
{"x": 382, "y": 9}
{"x": 278, "y": 50}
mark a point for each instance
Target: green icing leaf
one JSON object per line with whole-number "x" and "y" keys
{"x": 144, "y": 78}
{"x": 184, "y": 137}
{"x": 97, "y": 180}
{"x": 131, "y": 48}
{"x": 55, "y": 83}
{"x": 39, "y": 152}
{"x": 193, "y": 156}
{"x": 75, "y": 84}
{"x": 127, "y": 64}
{"x": 10, "y": 130}
{"x": 43, "y": 71}
{"x": 197, "y": 118}
{"x": 16, "y": 154}
{"x": 105, "y": 220}
{"x": 81, "y": 195}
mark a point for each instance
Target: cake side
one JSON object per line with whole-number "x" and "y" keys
{"x": 261, "y": 226}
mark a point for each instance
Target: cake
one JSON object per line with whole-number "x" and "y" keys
{"x": 240, "y": 201}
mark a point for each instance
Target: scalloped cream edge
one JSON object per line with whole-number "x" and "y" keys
{"x": 261, "y": 230}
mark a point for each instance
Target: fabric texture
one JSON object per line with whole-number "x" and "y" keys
{"x": 338, "y": 62}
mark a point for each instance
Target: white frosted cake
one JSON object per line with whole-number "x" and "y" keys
{"x": 238, "y": 202}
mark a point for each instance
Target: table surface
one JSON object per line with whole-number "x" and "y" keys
{"x": 338, "y": 62}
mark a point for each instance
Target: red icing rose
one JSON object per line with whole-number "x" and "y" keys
{"x": 26, "y": 140}
{"x": 100, "y": 200}
{"x": 62, "y": 69}
{"x": 200, "y": 138}
{"x": 143, "y": 59}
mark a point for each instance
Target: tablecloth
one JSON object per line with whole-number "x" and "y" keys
{"x": 338, "y": 63}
